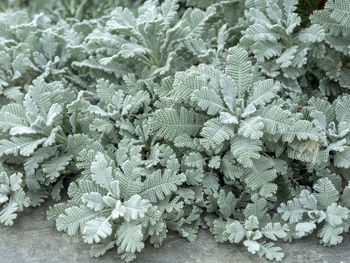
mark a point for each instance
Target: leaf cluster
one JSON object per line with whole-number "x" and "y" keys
{"x": 174, "y": 116}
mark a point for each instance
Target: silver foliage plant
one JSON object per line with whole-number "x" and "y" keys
{"x": 175, "y": 116}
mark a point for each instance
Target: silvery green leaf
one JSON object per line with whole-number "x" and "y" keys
{"x": 252, "y": 246}
{"x": 16, "y": 181}
{"x": 93, "y": 201}
{"x": 119, "y": 210}
{"x": 314, "y": 33}
{"x": 275, "y": 230}
{"x": 308, "y": 200}
{"x": 236, "y": 232}
{"x": 109, "y": 201}
{"x": 135, "y": 208}
{"x": 252, "y": 223}
{"x": 114, "y": 188}
{"x": 101, "y": 172}
{"x": 96, "y": 229}
{"x": 54, "y": 114}
{"x": 335, "y": 214}
{"x": 227, "y": 118}
{"x": 331, "y": 235}
{"x": 304, "y": 228}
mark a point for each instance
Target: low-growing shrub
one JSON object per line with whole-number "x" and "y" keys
{"x": 177, "y": 115}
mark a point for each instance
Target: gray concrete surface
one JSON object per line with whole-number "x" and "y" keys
{"x": 35, "y": 240}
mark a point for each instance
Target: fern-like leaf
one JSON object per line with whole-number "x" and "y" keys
{"x": 169, "y": 123}
{"x": 245, "y": 150}
{"x": 157, "y": 186}
{"x": 96, "y": 229}
{"x": 214, "y": 133}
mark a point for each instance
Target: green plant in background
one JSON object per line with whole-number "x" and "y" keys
{"x": 177, "y": 115}
{"x": 37, "y": 47}
{"x": 150, "y": 44}
{"x": 280, "y": 46}
{"x": 333, "y": 67}
{"x": 12, "y": 4}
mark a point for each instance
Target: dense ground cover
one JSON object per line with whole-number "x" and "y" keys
{"x": 177, "y": 115}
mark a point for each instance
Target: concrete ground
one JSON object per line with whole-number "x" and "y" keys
{"x": 35, "y": 240}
